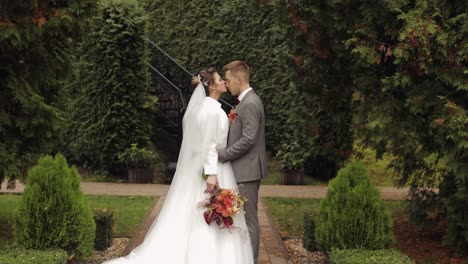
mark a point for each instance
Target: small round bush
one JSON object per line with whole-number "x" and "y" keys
{"x": 53, "y": 213}
{"x": 352, "y": 214}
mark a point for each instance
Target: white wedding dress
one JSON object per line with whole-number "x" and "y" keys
{"x": 180, "y": 234}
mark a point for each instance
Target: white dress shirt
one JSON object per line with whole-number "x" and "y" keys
{"x": 243, "y": 94}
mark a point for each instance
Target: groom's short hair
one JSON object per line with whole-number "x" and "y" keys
{"x": 238, "y": 67}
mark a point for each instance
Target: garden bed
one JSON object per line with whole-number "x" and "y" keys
{"x": 115, "y": 250}
{"x": 421, "y": 245}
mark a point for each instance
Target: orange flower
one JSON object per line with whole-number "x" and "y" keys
{"x": 227, "y": 201}
{"x": 227, "y": 212}
{"x": 224, "y": 193}
{"x": 219, "y": 198}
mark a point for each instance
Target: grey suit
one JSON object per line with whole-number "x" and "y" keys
{"x": 247, "y": 152}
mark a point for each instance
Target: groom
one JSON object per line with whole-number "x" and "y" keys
{"x": 246, "y": 143}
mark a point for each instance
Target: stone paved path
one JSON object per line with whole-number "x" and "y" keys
{"x": 272, "y": 250}
{"x": 303, "y": 191}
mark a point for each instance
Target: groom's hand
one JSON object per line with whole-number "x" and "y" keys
{"x": 211, "y": 182}
{"x": 220, "y": 154}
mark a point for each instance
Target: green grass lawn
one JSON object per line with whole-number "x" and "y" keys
{"x": 128, "y": 212}
{"x": 7, "y": 204}
{"x": 288, "y": 213}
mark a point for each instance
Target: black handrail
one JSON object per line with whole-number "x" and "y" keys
{"x": 182, "y": 68}
{"x": 168, "y": 81}
{"x": 169, "y": 56}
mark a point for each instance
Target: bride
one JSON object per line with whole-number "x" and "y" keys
{"x": 180, "y": 233}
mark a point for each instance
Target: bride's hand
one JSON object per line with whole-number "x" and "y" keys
{"x": 211, "y": 182}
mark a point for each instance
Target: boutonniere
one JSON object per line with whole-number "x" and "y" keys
{"x": 232, "y": 115}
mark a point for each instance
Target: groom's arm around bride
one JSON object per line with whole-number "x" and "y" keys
{"x": 246, "y": 143}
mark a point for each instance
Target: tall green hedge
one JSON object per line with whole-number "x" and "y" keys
{"x": 35, "y": 42}
{"x": 352, "y": 214}
{"x": 300, "y": 129}
{"x": 113, "y": 108}
{"x": 202, "y": 33}
{"x": 53, "y": 213}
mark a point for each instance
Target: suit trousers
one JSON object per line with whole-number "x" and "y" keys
{"x": 250, "y": 190}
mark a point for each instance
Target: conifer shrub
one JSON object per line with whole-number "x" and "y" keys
{"x": 104, "y": 219}
{"x": 53, "y": 213}
{"x": 352, "y": 214}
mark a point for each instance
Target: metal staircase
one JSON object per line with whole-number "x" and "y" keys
{"x": 171, "y": 82}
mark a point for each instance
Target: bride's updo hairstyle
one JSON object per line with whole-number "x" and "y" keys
{"x": 206, "y": 78}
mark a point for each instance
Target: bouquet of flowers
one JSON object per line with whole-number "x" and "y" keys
{"x": 221, "y": 206}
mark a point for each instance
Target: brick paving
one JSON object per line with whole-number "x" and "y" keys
{"x": 272, "y": 250}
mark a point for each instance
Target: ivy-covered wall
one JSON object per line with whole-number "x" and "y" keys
{"x": 199, "y": 34}
{"x": 112, "y": 108}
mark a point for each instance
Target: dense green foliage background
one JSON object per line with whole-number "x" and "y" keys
{"x": 199, "y": 34}
{"x": 112, "y": 108}
{"x": 36, "y": 38}
{"x": 389, "y": 73}
{"x": 405, "y": 62}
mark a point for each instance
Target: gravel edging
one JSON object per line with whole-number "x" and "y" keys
{"x": 299, "y": 255}
{"x": 114, "y": 251}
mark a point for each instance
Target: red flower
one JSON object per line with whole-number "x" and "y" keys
{"x": 232, "y": 116}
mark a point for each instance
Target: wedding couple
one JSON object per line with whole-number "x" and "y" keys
{"x": 231, "y": 152}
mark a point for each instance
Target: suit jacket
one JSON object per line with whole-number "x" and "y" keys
{"x": 246, "y": 141}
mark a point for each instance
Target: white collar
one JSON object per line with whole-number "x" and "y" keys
{"x": 211, "y": 100}
{"x": 242, "y": 95}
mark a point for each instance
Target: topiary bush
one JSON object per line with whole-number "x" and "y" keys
{"x": 104, "y": 219}
{"x": 352, "y": 214}
{"x": 53, "y": 213}
{"x": 361, "y": 256}
{"x": 308, "y": 239}
{"x": 22, "y": 256}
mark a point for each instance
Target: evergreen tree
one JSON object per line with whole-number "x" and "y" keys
{"x": 53, "y": 213}
{"x": 352, "y": 214}
{"x": 405, "y": 63}
{"x": 35, "y": 40}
